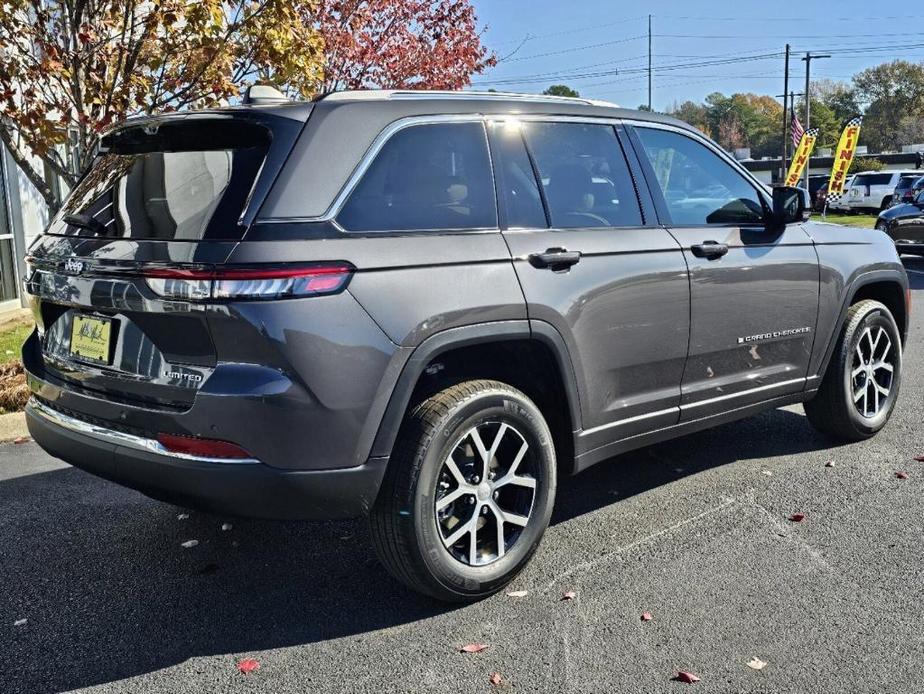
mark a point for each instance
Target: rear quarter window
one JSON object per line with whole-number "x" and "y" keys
{"x": 430, "y": 177}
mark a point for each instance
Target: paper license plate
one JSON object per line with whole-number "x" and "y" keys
{"x": 90, "y": 338}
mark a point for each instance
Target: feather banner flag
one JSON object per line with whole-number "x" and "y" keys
{"x": 843, "y": 156}
{"x": 801, "y": 156}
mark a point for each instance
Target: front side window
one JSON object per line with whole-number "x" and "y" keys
{"x": 699, "y": 187}
{"x": 584, "y": 175}
{"x": 426, "y": 177}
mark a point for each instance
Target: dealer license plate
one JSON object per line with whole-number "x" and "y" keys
{"x": 91, "y": 337}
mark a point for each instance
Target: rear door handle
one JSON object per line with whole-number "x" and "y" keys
{"x": 555, "y": 259}
{"x": 709, "y": 249}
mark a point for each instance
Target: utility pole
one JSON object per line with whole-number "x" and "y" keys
{"x": 789, "y": 108}
{"x": 808, "y": 103}
{"x": 649, "y": 63}
{"x": 785, "y": 117}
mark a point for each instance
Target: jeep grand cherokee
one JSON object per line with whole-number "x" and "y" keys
{"x": 425, "y": 307}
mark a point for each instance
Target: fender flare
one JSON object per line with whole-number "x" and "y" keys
{"x": 850, "y": 292}
{"x": 466, "y": 336}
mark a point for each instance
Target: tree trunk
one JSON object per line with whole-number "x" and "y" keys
{"x": 37, "y": 179}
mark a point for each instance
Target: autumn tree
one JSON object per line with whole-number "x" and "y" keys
{"x": 70, "y": 68}
{"x": 399, "y": 44}
{"x": 890, "y": 91}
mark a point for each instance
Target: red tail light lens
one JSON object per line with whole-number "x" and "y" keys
{"x": 202, "y": 448}
{"x": 244, "y": 283}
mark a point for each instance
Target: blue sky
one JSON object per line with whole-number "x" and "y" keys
{"x": 599, "y": 47}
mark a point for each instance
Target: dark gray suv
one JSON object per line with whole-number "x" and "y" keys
{"x": 425, "y": 307}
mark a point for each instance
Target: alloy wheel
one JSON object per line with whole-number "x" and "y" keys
{"x": 485, "y": 493}
{"x": 872, "y": 371}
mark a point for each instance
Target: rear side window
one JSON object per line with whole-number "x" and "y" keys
{"x": 426, "y": 177}
{"x": 584, "y": 175}
{"x": 173, "y": 181}
{"x": 872, "y": 179}
{"x": 699, "y": 187}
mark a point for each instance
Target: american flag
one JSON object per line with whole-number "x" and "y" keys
{"x": 797, "y": 130}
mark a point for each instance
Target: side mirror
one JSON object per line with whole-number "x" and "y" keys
{"x": 790, "y": 205}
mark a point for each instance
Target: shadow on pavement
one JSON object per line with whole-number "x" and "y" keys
{"x": 109, "y": 592}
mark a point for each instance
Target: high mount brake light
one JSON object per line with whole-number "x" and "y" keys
{"x": 277, "y": 282}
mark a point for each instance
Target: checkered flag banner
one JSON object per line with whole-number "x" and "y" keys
{"x": 801, "y": 156}
{"x": 843, "y": 157}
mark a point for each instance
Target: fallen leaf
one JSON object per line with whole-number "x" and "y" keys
{"x": 920, "y": 458}
{"x": 517, "y": 593}
{"x": 684, "y": 676}
{"x": 189, "y": 544}
{"x": 22, "y": 439}
{"x": 756, "y": 664}
{"x": 226, "y": 526}
{"x": 830, "y": 463}
{"x": 901, "y": 475}
{"x": 797, "y": 517}
{"x": 248, "y": 665}
{"x": 182, "y": 516}
{"x": 646, "y": 616}
{"x": 570, "y": 595}
{"x": 496, "y": 679}
{"x": 473, "y": 648}
{"x": 767, "y": 473}
{"x": 20, "y": 622}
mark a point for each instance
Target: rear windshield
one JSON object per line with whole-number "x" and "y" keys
{"x": 173, "y": 181}
{"x": 905, "y": 182}
{"x": 872, "y": 179}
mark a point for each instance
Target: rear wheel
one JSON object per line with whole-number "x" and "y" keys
{"x": 860, "y": 387}
{"x": 468, "y": 493}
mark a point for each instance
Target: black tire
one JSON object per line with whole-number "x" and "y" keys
{"x": 405, "y": 526}
{"x": 886, "y": 203}
{"x": 833, "y": 411}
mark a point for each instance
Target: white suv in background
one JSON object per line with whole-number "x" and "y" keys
{"x": 872, "y": 190}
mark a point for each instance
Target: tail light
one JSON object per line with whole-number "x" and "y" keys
{"x": 248, "y": 283}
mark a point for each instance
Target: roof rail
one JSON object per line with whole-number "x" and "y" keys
{"x": 386, "y": 94}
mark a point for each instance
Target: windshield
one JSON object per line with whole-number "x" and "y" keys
{"x": 176, "y": 181}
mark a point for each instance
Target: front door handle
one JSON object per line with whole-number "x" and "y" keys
{"x": 555, "y": 259}
{"x": 709, "y": 249}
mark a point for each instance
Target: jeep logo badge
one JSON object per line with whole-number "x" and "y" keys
{"x": 72, "y": 266}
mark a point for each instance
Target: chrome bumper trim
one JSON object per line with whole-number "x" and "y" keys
{"x": 120, "y": 438}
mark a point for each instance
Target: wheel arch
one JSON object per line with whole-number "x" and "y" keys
{"x": 503, "y": 350}
{"x": 889, "y": 287}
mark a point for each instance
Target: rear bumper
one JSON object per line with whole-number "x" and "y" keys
{"x": 237, "y": 488}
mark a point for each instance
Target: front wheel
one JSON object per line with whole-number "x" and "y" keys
{"x": 468, "y": 493}
{"x": 860, "y": 386}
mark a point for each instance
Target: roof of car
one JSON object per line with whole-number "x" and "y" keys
{"x": 490, "y": 102}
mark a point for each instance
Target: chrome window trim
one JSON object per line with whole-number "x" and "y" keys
{"x": 396, "y": 126}
{"x": 120, "y": 438}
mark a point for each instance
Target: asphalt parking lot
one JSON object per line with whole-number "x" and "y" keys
{"x": 694, "y": 531}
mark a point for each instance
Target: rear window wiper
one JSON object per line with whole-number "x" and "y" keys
{"x": 85, "y": 221}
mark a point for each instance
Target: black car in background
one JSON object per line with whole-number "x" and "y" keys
{"x": 908, "y": 188}
{"x": 904, "y": 223}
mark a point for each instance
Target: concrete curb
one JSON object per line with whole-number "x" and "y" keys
{"x": 12, "y": 426}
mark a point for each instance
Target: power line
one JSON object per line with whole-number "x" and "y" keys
{"x": 577, "y": 48}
